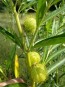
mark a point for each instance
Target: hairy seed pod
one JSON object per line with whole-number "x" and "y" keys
{"x": 30, "y": 24}
{"x": 39, "y": 73}
{"x": 33, "y": 58}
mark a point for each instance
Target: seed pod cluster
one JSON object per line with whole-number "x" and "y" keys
{"x": 38, "y": 70}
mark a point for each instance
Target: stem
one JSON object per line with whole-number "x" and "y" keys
{"x": 33, "y": 85}
{"x": 34, "y": 37}
{"x": 17, "y": 20}
{"x": 21, "y": 33}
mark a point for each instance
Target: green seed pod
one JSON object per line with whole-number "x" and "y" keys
{"x": 39, "y": 73}
{"x": 33, "y": 58}
{"x": 30, "y": 24}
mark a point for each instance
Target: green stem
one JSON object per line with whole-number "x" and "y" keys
{"x": 33, "y": 85}
{"x": 34, "y": 38}
{"x": 21, "y": 33}
{"x": 17, "y": 21}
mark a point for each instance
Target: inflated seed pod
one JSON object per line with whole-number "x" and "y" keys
{"x": 39, "y": 73}
{"x": 33, "y": 58}
{"x": 30, "y": 24}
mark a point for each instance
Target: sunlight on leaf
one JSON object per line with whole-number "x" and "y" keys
{"x": 56, "y": 65}
{"x": 51, "y": 41}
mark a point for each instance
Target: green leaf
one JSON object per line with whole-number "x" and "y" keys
{"x": 50, "y": 41}
{"x": 53, "y": 47}
{"x": 52, "y": 14}
{"x": 6, "y": 33}
{"x": 53, "y": 2}
{"x": 17, "y": 85}
{"x": 1, "y": 71}
{"x": 45, "y": 53}
{"x": 48, "y": 50}
{"x": 22, "y": 8}
{"x": 55, "y": 66}
{"x": 18, "y": 40}
{"x": 12, "y": 37}
{"x": 9, "y": 4}
{"x": 55, "y": 55}
{"x": 10, "y": 60}
{"x": 40, "y": 11}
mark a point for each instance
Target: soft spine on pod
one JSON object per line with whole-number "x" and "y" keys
{"x": 16, "y": 67}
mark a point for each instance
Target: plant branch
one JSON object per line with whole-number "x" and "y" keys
{"x": 34, "y": 38}
{"x": 21, "y": 32}
{"x": 17, "y": 20}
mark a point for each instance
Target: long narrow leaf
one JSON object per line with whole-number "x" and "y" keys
{"x": 22, "y": 8}
{"x": 9, "y": 4}
{"x": 12, "y": 37}
{"x": 52, "y": 48}
{"x": 55, "y": 55}
{"x": 56, "y": 65}
{"x": 54, "y": 1}
{"x": 45, "y": 52}
{"x": 6, "y": 33}
{"x": 11, "y": 57}
{"x": 1, "y": 71}
{"x": 52, "y": 14}
{"x": 48, "y": 50}
{"x": 40, "y": 11}
{"x": 51, "y": 41}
